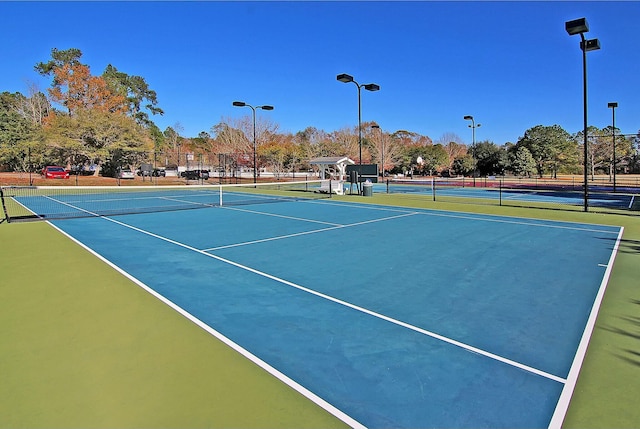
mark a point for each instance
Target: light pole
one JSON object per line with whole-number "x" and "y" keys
{"x": 253, "y": 109}
{"x": 29, "y": 165}
{"x": 580, "y": 26}
{"x": 473, "y": 127}
{"x": 382, "y": 152}
{"x": 613, "y": 106}
{"x": 345, "y": 78}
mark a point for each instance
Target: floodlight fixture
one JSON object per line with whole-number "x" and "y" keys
{"x": 346, "y": 78}
{"x": 577, "y": 26}
{"x": 590, "y": 45}
{"x": 253, "y": 109}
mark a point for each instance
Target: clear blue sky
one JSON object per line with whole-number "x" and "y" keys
{"x": 509, "y": 64}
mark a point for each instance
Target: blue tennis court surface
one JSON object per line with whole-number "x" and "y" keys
{"x": 532, "y": 195}
{"x": 396, "y": 317}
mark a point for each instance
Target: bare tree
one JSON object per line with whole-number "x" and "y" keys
{"x": 453, "y": 145}
{"x": 35, "y": 107}
{"x": 236, "y": 134}
{"x": 345, "y": 143}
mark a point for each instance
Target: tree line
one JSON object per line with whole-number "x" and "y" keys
{"x": 106, "y": 121}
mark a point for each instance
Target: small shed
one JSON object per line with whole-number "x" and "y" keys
{"x": 333, "y": 171}
{"x": 334, "y": 167}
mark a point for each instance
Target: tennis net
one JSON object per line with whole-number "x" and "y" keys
{"x": 24, "y": 203}
{"x": 426, "y": 185}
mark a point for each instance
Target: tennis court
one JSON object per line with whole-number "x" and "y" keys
{"x": 456, "y": 188}
{"x": 388, "y": 317}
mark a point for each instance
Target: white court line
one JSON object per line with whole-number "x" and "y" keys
{"x": 227, "y": 341}
{"x": 567, "y": 391}
{"x": 155, "y": 197}
{"x": 483, "y": 217}
{"x": 315, "y": 231}
{"x": 279, "y": 215}
{"x": 352, "y": 306}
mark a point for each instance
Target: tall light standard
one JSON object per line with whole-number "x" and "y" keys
{"x": 29, "y": 165}
{"x": 345, "y": 78}
{"x": 253, "y": 109}
{"x": 382, "y": 144}
{"x": 613, "y": 106}
{"x": 580, "y": 26}
{"x": 473, "y": 127}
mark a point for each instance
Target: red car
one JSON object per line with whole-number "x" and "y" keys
{"x": 53, "y": 172}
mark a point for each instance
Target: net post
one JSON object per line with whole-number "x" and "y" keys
{"x": 4, "y": 207}
{"x": 220, "y": 193}
{"x": 433, "y": 187}
{"x": 330, "y": 187}
{"x": 500, "y": 186}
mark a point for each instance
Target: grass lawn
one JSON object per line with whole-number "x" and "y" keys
{"x": 83, "y": 346}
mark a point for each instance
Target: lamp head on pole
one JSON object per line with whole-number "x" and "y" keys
{"x": 612, "y": 105}
{"x": 590, "y": 45}
{"x": 266, "y": 107}
{"x": 239, "y": 103}
{"x": 345, "y": 78}
{"x": 468, "y": 118}
{"x": 577, "y": 26}
{"x": 372, "y": 87}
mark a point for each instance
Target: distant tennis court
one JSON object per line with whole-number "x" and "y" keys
{"x": 388, "y": 317}
{"x": 510, "y": 194}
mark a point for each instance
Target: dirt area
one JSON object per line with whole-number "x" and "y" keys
{"x": 23, "y": 179}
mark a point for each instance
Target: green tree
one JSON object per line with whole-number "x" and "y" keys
{"x": 551, "y": 147}
{"x": 158, "y": 138}
{"x": 464, "y": 165}
{"x": 137, "y": 93}
{"x": 103, "y": 138}
{"x": 22, "y": 146}
{"x": 521, "y": 163}
{"x": 15, "y": 131}
{"x": 434, "y": 158}
{"x": 58, "y": 59}
{"x": 490, "y": 158}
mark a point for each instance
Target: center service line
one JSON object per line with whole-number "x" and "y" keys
{"x": 353, "y": 306}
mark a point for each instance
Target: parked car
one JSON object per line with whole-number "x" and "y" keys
{"x": 125, "y": 173}
{"x": 80, "y": 170}
{"x": 195, "y": 174}
{"x": 55, "y": 172}
{"x": 156, "y": 172}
